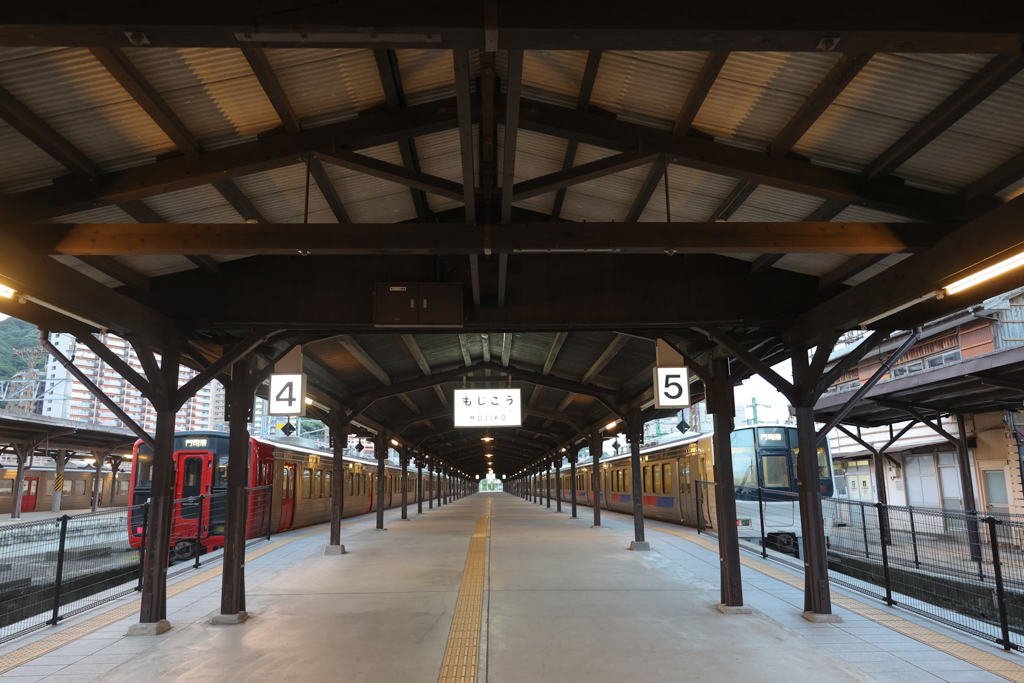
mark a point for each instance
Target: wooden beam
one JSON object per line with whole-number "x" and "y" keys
{"x": 414, "y": 350}
{"x": 581, "y": 174}
{"x": 392, "y": 172}
{"x": 706, "y": 78}
{"x": 733, "y": 200}
{"x": 394, "y": 95}
{"x": 606, "y": 357}
{"x": 978, "y": 87}
{"x": 971, "y": 247}
{"x": 113, "y": 239}
{"x": 556, "y": 346}
{"x": 714, "y": 157}
{"x": 464, "y": 347}
{"x": 204, "y": 263}
{"x": 120, "y": 66}
{"x": 582, "y": 103}
{"x": 839, "y": 76}
{"x": 840, "y": 274}
{"x": 826, "y": 211}
{"x": 264, "y": 154}
{"x": 237, "y": 199}
{"x": 465, "y": 121}
{"x": 323, "y": 181}
{"x": 257, "y": 59}
{"x": 512, "y": 98}
{"x": 108, "y": 265}
{"x": 764, "y": 262}
{"x": 364, "y": 358}
{"x": 506, "y": 348}
{"x": 43, "y": 136}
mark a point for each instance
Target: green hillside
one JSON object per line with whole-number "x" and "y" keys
{"x": 16, "y": 334}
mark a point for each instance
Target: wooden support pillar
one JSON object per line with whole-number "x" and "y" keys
{"x": 60, "y": 462}
{"x": 817, "y": 597}
{"x": 573, "y": 453}
{"x": 724, "y": 407}
{"x": 440, "y": 486}
{"x": 404, "y": 456}
{"x": 97, "y": 479}
{"x": 340, "y": 429}
{"x": 430, "y": 488}
{"x": 419, "y": 485}
{"x": 558, "y": 486}
{"x": 240, "y": 399}
{"x": 595, "y": 442}
{"x": 23, "y": 452}
{"x": 634, "y": 429}
{"x": 158, "y": 539}
{"x": 381, "y": 451}
{"x": 547, "y": 471}
{"x": 115, "y": 465}
{"x": 963, "y": 461}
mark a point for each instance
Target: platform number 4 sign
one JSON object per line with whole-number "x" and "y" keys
{"x": 671, "y": 387}
{"x": 287, "y": 395}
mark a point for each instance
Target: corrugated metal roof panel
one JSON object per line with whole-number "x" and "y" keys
{"x": 694, "y": 195}
{"x": 24, "y": 166}
{"x": 213, "y": 92}
{"x": 774, "y": 204}
{"x": 324, "y": 86}
{"x": 72, "y": 262}
{"x": 883, "y": 102}
{"x": 756, "y": 94}
{"x": 371, "y": 200}
{"x": 537, "y": 155}
{"x": 103, "y": 214}
{"x": 9, "y": 54}
{"x": 811, "y": 264}
{"x": 553, "y": 76}
{"x": 868, "y": 273}
{"x": 441, "y": 155}
{"x": 603, "y": 199}
{"x": 80, "y": 100}
{"x": 645, "y": 91}
{"x": 280, "y": 195}
{"x": 430, "y": 74}
{"x": 860, "y": 214}
{"x": 196, "y": 205}
{"x": 155, "y": 266}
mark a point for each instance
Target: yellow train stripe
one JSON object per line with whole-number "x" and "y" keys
{"x": 462, "y": 655}
{"x": 968, "y": 653}
{"x": 53, "y": 642}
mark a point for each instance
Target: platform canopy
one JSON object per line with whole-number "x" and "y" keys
{"x": 596, "y": 175}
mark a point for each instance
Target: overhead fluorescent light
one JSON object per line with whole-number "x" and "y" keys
{"x": 996, "y": 270}
{"x": 6, "y": 292}
{"x": 611, "y": 425}
{"x": 25, "y": 297}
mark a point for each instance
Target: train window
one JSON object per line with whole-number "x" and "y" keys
{"x": 307, "y": 483}
{"x": 686, "y": 478}
{"x": 67, "y": 486}
{"x": 647, "y": 479}
{"x": 6, "y": 487}
{"x": 657, "y": 478}
{"x": 80, "y": 487}
{"x": 143, "y": 467}
{"x": 666, "y": 482}
{"x": 122, "y": 487}
{"x": 776, "y": 471}
{"x": 328, "y": 489}
{"x": 348, "y": 483}
{"x": 743, "y": 472}
{"x": 318, "y": 484}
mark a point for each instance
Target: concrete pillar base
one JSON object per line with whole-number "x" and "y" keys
{"x": 823, "y": 618}
{"x": 639, "y": 545}
{"x": 334, "y": 550}
{"x": 229, "y": 619}
{"x": 737, "y": 609}
{"x": 149, "y": 629}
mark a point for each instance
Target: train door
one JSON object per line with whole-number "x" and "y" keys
{"x": 194, "y": 479}
{"x": 29, "y": 491}
{"x": 288, "y": 496}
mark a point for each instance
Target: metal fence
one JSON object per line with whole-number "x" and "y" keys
{"x": 55, "y": 568}
{"x": 963, "y": 569}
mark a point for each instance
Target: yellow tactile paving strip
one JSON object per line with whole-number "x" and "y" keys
{"x": 53, "y": 642}
{"x": 968, "y": 653}
{"x": 462, "y": 655}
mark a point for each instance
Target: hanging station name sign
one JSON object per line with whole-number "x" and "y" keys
{"x": 488, "y": 408}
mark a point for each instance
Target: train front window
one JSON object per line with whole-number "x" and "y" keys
{"x": 144, "y": 467}
{"x": 776, "y": 471}
{"x": 743, "y": 472}
{"x": 824, "y": 464}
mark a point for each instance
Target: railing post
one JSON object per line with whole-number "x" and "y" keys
{"x": 58, "y": 579}
{"x": 885, "y": 559}
{"x": 760, "y": 512}
{"x": 142, "y": 547}
{"x": 1004, "y": 621}
{"x": 864, "y": 528}
{"x": 700, "y": 516}
{"x": 199, "y": 532}
{"x": 913, "y": 535}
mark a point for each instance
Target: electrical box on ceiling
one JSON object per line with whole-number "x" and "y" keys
{"x": 417, "y": 304}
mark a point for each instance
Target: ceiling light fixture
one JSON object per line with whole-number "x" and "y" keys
{"x": 1004, "y": 266}
{"x": 611, "y": 425}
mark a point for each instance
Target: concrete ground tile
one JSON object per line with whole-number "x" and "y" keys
{"x": 10, "y": 678}
{"x": 970, "y": 677}
{"x": 938, "y": 667}
{"x": 896, "y": 665}
{"x": 37, "y": 669}
{"x": 840, "y": 648}
{"x": 868, "y": 656}
{"x": 906, "y": 677}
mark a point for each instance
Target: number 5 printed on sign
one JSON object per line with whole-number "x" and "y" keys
{"x": 671, "y": 387}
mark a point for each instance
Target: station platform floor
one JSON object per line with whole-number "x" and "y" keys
{"x": 494, "y": 588}
{"x": 40, "y": 515}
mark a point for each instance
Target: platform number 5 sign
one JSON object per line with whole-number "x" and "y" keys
{"x": 287, "y": 395}
{"x": 671, "y": 387}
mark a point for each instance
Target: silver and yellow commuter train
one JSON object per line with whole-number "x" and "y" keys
{"x": 763, "y": 456}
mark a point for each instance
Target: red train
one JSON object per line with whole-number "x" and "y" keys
{"x": 290, "y": 487}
